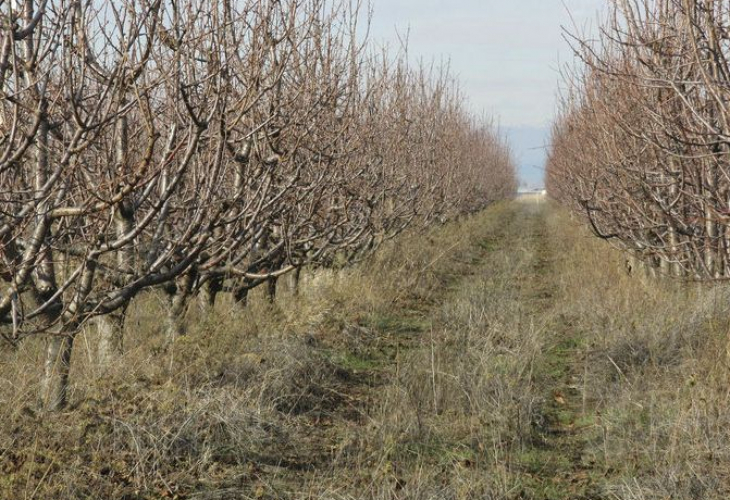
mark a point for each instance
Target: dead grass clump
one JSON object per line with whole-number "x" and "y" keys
{"x": 298, "y": 380}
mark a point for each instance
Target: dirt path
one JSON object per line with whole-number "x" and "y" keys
{"x": 517, "y": 270}
{"x": 556, "y": 465}
{"x": 519, "y": 267}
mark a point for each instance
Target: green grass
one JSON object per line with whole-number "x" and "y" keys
{"x": 359, "y": 362}
{"x": 397, "y": 322}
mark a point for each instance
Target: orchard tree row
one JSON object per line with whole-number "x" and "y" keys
{"x": 199, "y": 147}
{"x": 642, "y": 146}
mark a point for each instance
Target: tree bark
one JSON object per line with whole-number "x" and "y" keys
{"x": 240, "y": 295}
{"x": 54, "y": 388}
{"x": 175, "y": 326}
{"x": 295, "y": 281}
{"x": 111, "y": 338}
{"x": 271, "y": 289}
{"x": 178, "y": 302}
{"x": 111, "y": 327}
{"x": 664, "y": 267}
{"x": 209, "y": 294}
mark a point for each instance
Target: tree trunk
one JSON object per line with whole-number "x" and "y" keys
{"x": 54, "y": 388}
{"x": 675, "y": 268}
{"x": 295, "y": 280}
{"x": 664, "y": 267}
{"x": 271, "y": 289}
{"x": 178, "y": 302}
{"x": 176, "y": 317}
{"x": 111, "y": 327}
{"x": 111, "y": 338}
{"x": 711, "y": 243}
{"x": 240, "y": 295}
{"x": 209, "y": 293}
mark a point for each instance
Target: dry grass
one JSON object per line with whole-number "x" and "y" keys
{"x": 431, "y": 371}
{"x": 656, "y": 366}
{"x": 284, "y": 400}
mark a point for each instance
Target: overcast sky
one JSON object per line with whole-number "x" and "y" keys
{"x": 505, "y": 53}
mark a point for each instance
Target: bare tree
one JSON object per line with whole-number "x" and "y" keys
{"x": 182, "y": 145}
{"x": 641, "y": 148}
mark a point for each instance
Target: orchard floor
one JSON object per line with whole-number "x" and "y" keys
{"x": 504, "y": 356}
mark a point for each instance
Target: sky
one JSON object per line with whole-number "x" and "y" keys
{"x": 506, "y": 55}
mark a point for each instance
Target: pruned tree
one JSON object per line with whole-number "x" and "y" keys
{"x": 641, "y": 146}
{"x": 196, "y": 147}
